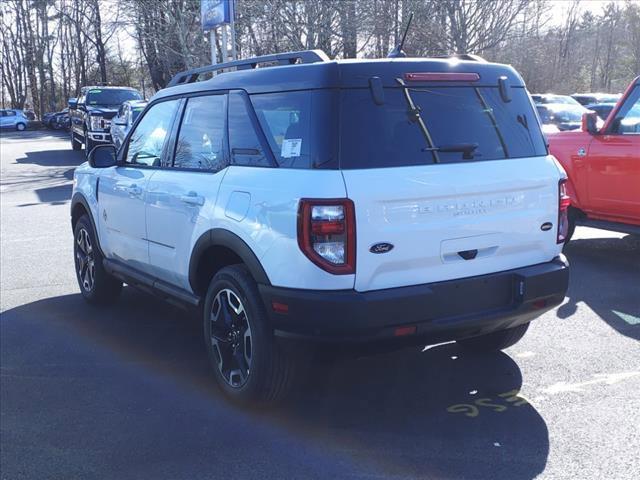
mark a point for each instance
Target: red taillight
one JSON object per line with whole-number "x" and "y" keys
{"x": 563, "y": 211}
{"x": 441, "y": 77}
{"x": 327, "y": 234}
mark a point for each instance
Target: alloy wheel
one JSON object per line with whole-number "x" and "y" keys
{"x": 85, "y": 260}
{"x": 230, "y": 337}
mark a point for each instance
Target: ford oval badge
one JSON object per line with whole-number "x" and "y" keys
{"x": 382, "y": 247}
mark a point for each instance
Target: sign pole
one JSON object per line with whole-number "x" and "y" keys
{"x": 225, "y": 50}
{"x": 214, "y": 48}
{"x": 232, "y": 14}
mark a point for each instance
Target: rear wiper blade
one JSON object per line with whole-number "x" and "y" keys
{"x": 414, "y": 114}
{"x": 467, "y": 149}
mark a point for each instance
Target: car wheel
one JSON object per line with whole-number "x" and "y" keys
{"x": 572, "y": 215}
{"x": 493, "y": 342}
{"x": 96, "y": 284}
{"x": 75, "y": 145}
{"x": 248, "y": 363}
{"x": 21, "y": 127}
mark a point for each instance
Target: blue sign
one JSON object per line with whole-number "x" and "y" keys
{"x": 214, "y": 13}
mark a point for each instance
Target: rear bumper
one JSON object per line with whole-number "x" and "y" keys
{"x": 439, "y": 312}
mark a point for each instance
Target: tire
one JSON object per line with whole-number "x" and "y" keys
{"x": 99, "y": 287}
{"x": 75, "y": 145}
{"x": 495, "y": 341}
{"x": 257, "y": 370}
{"x": 21, "y": 127}
{"x": 571, "y": 216}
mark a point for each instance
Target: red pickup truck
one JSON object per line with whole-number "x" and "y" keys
{"x": 603, "y": 165}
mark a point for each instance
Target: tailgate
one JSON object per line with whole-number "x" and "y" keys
{"x": 448, "y": 221}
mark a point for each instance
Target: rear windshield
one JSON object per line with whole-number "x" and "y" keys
{"x": 414, "y": 126}
{"x": 98, "y": 96}
{"x": 444, "y": 124}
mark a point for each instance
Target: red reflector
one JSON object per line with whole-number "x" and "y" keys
{"x": 280, "y": 307}
{"x": 540, "y": 304}
{"x": 402, "y": 331}
{"x": 441, "y": 77}
{"x": 327, "y": 227}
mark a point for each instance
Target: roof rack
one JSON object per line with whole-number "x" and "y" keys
{"x": 464, "y": 56}
{"x": 289, "y": 58}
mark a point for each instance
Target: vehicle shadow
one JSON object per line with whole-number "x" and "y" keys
{"x": 602, "y": 270}
{"x": 437, "y": 413}
{"x": 51, "y": 184}
{"x": 53, "y": 158}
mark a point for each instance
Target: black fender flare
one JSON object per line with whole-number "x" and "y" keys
{"x": 219, "y": 237}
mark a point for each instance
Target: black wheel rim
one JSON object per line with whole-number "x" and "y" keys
{"x": 85, "y": 260}
{"x": 230, "y": 336}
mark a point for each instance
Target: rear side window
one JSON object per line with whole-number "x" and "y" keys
{"x": 243, "y": 140}
{"x": 462, "y": 123}
{"x": 201, "y": 139}
{"x": 300, "y": 127}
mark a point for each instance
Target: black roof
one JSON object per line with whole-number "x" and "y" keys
{"x": 342, "y": 74}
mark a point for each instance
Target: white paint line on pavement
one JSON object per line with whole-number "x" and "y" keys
{"x": 602, "y": 378}
{"x": 630, "y": 319}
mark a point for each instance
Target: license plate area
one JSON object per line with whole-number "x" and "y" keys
{"x": 472, "y": 296}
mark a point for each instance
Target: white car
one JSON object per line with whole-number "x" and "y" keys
{"x": 393, "y": 200}
{"x": 124, "y": 119}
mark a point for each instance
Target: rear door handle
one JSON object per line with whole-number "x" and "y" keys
{"x": 192, "y": 198}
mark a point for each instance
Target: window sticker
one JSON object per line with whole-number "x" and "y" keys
{"x": 95, "y": 91}
{"x": 291, "y": 147}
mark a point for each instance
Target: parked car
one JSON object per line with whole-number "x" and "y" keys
{"x": 124, "y": 119}
{"x": 344, "y": 201}
{"x": 602, "y": 109}
{"x": 12, "y": 118}
{"x": 545, "y": 98}
{"x": 603, "y": 165}
{"x": 47, "y": 119}
{"x": 562, "y": 116}
{"x": 589, "y": 98}
{"x": 56, "y": 120}
{"x": 92, "y": 112}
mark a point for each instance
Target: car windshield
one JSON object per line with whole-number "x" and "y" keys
{"x": 135, "y": 111}
{"x": 422, "y": 125}
{"x": 111, "y": 97}
{"x": 566, "y": 115}
{"x": 563, "y": 99}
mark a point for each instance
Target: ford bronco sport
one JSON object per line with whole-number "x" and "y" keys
{"x": 348, "y": 201}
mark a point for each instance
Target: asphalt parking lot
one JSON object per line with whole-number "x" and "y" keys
{"x": 125, "y": 392}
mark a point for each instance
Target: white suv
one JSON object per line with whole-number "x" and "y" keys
{"x": 396, "y": 200}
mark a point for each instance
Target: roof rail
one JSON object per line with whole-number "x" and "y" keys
{"x": 289, "y": 58}
{"x": 464, "y": 56}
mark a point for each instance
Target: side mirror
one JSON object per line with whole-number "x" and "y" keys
{"x": 103, "y": 156}
{"x": 590, "y": 122}
{"x": 72, "y": 103}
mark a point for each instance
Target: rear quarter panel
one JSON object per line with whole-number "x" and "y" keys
{"x": 260, "y": 205}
